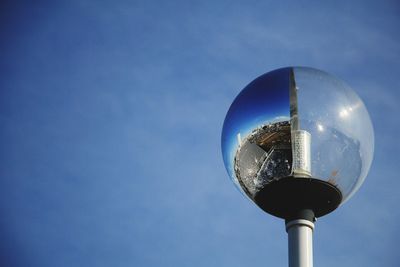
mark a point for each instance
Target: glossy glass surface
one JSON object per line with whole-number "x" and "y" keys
{"x": 298, "y": 122}
{"x": 342, "y": 136}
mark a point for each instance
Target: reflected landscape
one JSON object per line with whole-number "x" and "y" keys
{"x": 264, "y": 155}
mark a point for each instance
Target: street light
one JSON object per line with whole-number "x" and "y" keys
{"x": 298, "y": 142}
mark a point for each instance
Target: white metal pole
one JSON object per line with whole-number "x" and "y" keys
{"x": 300, "y": 234}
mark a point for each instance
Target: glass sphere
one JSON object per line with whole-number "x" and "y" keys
{"x": 296, "y": 123}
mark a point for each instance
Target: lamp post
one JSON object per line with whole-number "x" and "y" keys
{"x": 298, "y": 142}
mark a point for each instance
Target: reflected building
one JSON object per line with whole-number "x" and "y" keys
{"x": 264, "y": 155}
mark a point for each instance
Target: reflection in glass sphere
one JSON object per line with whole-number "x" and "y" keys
{"x": 297, "y": 123}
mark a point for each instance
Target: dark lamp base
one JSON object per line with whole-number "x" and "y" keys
{"x": 287, "y": 197}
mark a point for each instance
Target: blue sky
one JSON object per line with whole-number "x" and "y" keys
{"x": 111, "y": 114}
